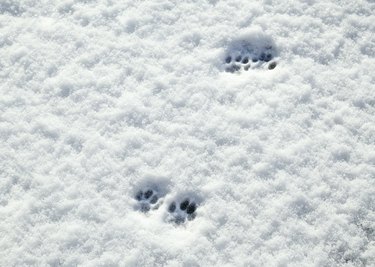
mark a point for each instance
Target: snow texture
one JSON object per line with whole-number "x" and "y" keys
{"x": 102, "y": 99}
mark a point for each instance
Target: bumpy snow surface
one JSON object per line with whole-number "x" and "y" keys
{"x": 187, "y": 133}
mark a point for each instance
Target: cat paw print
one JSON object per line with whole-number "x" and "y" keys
{"x": 253, "y": 50}
{"x": 180, "y": 212}
{"x": 147, "y": 199}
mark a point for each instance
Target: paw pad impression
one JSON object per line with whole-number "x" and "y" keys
{"x": 179, "y": 212}
{"x": 147, "y": 199}
{"x": 252, "y": 50}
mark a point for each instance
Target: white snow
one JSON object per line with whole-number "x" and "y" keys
{"x": 102, "y": 98}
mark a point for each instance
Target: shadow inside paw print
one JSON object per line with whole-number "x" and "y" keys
{"x": 147, "y": 199}
{"x": 250, "y": 51}
{"x": 180, "y": 212}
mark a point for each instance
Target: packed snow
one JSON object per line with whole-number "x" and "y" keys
{"x": 187, "y": 133}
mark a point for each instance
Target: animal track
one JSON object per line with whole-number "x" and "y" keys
{"x": 253, "y": 50}
{"x": 147, "y": 199}
{"x": 149, "y": 195}
{"x": 179, "y": 212}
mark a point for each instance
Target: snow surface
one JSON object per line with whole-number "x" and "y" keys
{"x": 103, "y": 98}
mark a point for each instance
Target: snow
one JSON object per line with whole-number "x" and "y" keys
{"x": 101, "y": 99}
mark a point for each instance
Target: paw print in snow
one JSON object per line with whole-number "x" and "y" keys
{"x": 147, "y": 199}
{"x": 253, "y": 50}
{"x": 180, "y": 212}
